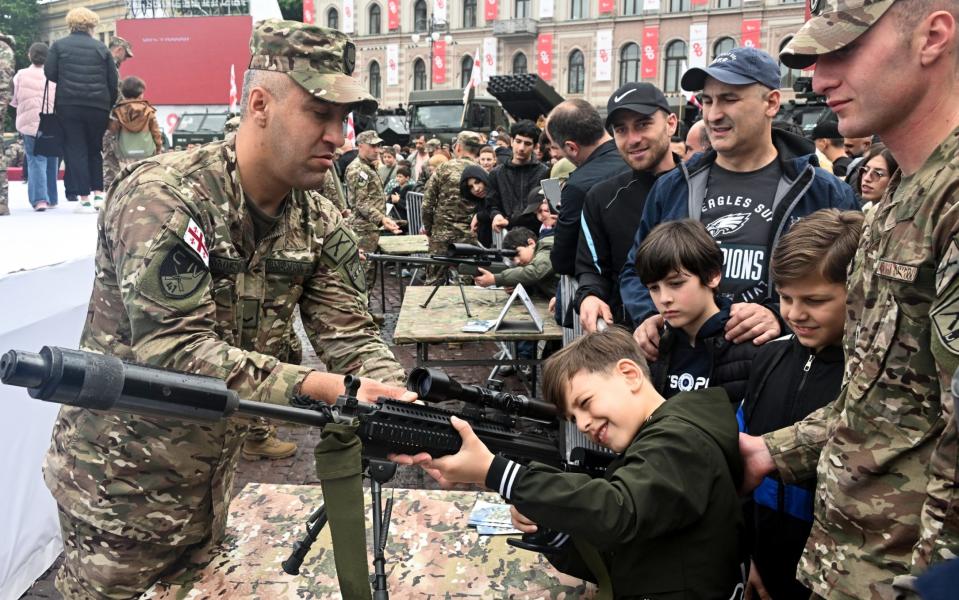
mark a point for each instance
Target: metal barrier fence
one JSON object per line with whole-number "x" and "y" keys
{"x": 414, "y": 211}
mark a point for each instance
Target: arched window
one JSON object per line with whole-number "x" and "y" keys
{"x": 723, "y": 45}
{"x": 577, "y": 73}
{"x": 675, "y": 57}
{"x": 469, "y": 14}
{"x": 519, "y": 64}
{"x": 419, "y": 74}
{"x": 629, "y": 63}
{"x": 466, "y": 70}
{"x": 375, "y": 79}
{"x": 521, "y": 10}
{"x": 419, "y": 16}
{"x": 374, "y": 19}
{"x": 333, "y": 18}
{"x": 578, "y": 9}
{"x": 787, "y": 76}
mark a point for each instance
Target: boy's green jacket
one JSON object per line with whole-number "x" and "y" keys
{"x": 538, "y": 276}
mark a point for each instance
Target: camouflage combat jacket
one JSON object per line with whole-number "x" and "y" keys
{"x": 181, "y": 284}
{"x": 446, "y": 214}
{"x": 333, "y": 191}
{"x": 366, "y": 195}
{"x": 887, "y": 504}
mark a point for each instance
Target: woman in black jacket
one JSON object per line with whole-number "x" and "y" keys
{"x": 86, "y": 78}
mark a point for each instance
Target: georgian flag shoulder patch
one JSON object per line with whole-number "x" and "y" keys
{"x": 195, "y": 239}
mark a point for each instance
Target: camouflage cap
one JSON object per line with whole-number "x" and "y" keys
{"x": 119, "y": 42}
{"x": 320, "y": 60}
{"x": 434, "y": 143}
{"x": 368, "y": 137}
{"x": 469, "y": 137}
{"x": 835, "y": 23}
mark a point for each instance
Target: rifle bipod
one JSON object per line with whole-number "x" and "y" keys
{"x": 440, "y": 284}
{"x": 379, "y": 472}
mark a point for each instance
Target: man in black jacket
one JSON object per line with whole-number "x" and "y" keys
{"x": 641, "y": 123}
{"x": 577, "y": 129}
{"x": 511, "y": 182}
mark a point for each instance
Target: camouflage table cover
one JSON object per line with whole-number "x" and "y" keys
{"x": 444, "y": 318}
{"x": 431, "y": 553}
{"x": 403, "y": 244}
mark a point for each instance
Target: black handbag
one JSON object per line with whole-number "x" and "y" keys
{"x": 50, "y": 132}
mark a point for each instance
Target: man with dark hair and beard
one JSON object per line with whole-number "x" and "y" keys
{"x": 641, "y": 122}
{"x": 511, "y": 183}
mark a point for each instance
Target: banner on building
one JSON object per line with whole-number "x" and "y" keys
{"x": 492, "y": 11}
{"x": 650, "y": 51}
{"x": 392, "y": 64}
{"x": 546, "y": 8}
{"x": 650, "y": 5}
{"x": 752, "y": 29}
{"x": 604, "y": 55}
{"x": 489, "y": 58}
{"x": 544, "y": 56}
{"x": 606, "y": 6}
{"x": 439, "y": 11}
{"x": 347, "y": 16}
{"x": 698, "y": 54}
{"x": 393, "y": 17}
{"x": 700, "y": 2}
{"x": 309, "y": 12}
{"x": 439, "y": 61}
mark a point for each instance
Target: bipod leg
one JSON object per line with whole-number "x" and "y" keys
{"x": 466, "y": 303}
{"x": 429, "y": 298}
{"x": 291, "y": 566}
{"x": 380, "y": 472}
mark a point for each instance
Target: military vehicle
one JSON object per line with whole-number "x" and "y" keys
{"x": 807, "y": 109}
{"x": 199, "y": 128}
{"x": 442, "y": 114}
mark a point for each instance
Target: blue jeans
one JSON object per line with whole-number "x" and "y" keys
{"x": 41, "y": 174}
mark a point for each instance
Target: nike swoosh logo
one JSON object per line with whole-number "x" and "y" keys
{"x": 626, "y": 93}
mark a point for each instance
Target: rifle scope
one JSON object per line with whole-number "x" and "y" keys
{"x": 470, "y": 250}
{"x": 435, "y": 386}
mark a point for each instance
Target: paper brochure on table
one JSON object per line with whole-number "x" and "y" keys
{"x": 491, "y": 519}
{"x": 478, "y": 325}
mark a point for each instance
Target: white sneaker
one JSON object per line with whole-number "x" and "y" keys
{"x": 85, "y": 207}
{"x": 98, "y": 202}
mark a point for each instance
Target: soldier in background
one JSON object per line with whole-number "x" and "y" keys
{"x": 332, "y": 190}
{"x": 446, "y": 213}
{"x": 7, "y": 68}
{"x": 885, "y": 452}
{"x": 367, "y": 196}
{"x": 202, "y": 258}
{"x": 120, "y": 50}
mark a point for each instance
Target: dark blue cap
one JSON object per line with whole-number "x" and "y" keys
{"x": 739, "y": 66}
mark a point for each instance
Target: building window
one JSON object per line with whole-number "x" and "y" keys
{"x": 375, "y": 79}
{"x": 577, "y": 73}
{"x": 675, "y": 57}
{"x": 374, "y": 19}
{"x": 629, "y": 64}
{"x": 521, "y": 9}
{"x": 728, "y": 3}
{"x": 466, "y": 70}
{"x": 333, "y": 18}
{"x": 519, "y": 64}
{"x": 469, "y": 13}
{"x": 786, "y": 75}
{"x": 419, "y": 16}
{"x": 723, "y": 45}
{"x": 419, "y": 74}
{"x": 577, "y": 9}
{"x": 680, "y": 6}
{"x": 632, "y": 7}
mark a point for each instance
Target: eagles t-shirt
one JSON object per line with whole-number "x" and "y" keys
{"x": 738, "y": 213}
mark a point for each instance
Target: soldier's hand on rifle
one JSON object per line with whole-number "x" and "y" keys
{"x": 499, "y": 222}
{"x": 485, "y": 278}
{"x": 391, "y": 225}
{"x": 591, "y": 309}
{"x": 370, "y": 390}
{"x": 647, "y": 336}
{"x": 326, "y": 387}
{"x": 521, "y": 521}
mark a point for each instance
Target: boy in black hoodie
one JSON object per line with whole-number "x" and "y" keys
{"x": 794, "y": 376}
{"x": 665, "y": 521}
{"x": 681, "y": 266}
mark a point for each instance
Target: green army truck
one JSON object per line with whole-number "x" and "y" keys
{"x": 199, "y": 128}
{"x": 442, "y": 114}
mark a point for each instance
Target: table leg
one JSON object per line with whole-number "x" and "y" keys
{"x": 382, "y": 266}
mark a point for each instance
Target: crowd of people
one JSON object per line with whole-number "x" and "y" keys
{"x": 780, "y": 311}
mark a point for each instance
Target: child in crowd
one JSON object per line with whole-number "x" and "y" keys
{"x": 665, "y": 521}
{"x": 533, "y": 268}
{"x": 474, "y": 183}
{"x": 134, "y": 122}
{"x": 794, "y": 376}
{"x": 681, "y": 265}
{"x": 396, "y": 194}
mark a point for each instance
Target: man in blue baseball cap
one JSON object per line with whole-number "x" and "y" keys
{"x": 747, "y": 190}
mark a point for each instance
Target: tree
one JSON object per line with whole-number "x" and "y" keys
{"x": 21, "y": 19}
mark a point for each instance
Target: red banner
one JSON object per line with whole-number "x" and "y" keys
{"x": 750, "y": 33}
{"x": 439, "y": 61}
{"x": 309, "y": 13}
{"x": 492, "y": 10}
{"x": 606, "y": 6}
{"x": 650, "y": 51}
{"x": 393, "y": 20}
{"x": 544, "y": 56}
{"x": 700, "y": 2}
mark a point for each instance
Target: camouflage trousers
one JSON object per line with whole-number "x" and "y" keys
{"x": 4, "y": 189}
{"x": 99, "y": 566}
{"x": 368, "y": 241}
{"x": 111, "y": 162}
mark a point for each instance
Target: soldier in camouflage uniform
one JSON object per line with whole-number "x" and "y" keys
{"x": 446, "y": 213}
{"x": 332, "y": 190}
{"x": 885, "y": 451}
{"x": 120, "y": 50}
{"x": 367, "y": 197}
{"x": 7, "y": 68}
{"x": 202, "y": 258}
